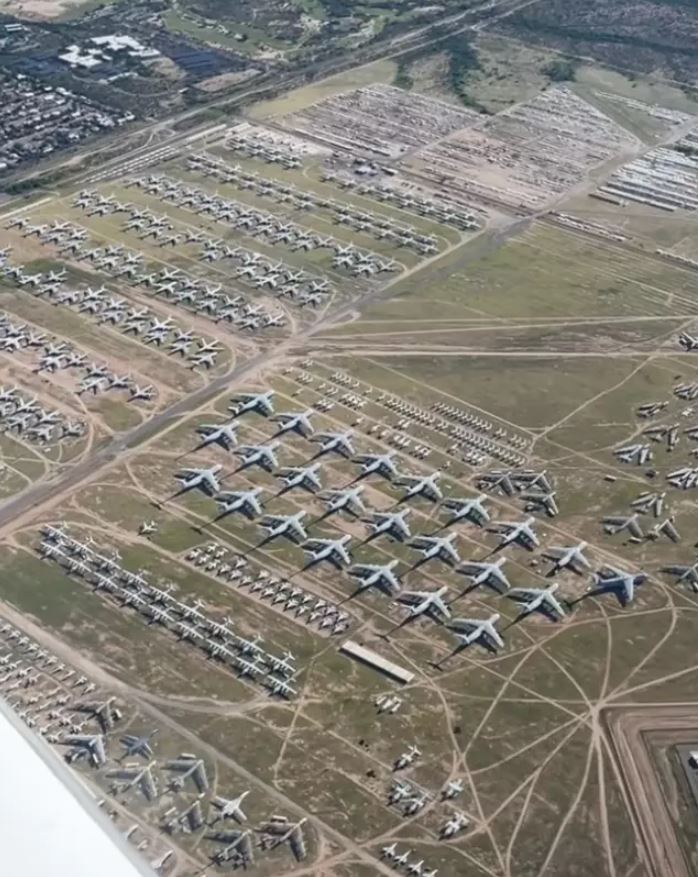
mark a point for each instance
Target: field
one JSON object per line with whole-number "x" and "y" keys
{"x": 524, "y": 356}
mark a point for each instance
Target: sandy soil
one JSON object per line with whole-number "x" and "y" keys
{"x": 627, "y": 728}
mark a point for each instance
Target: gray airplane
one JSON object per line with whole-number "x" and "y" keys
{"x": 624, "y": 583}
{"x": 259, "y": 455}
{"x": 688, "y": 573}
{"x": 335, "y": 441}
{"x": 417, "y": 485}
{"x": 349, "y": 499}
{"x": 301, "y": 476}
{"x": 231, "y": 808}
{"x": 468, "y": 510}
{"x": 260, "y": 402}
{"x": 483, "y": 573}
{"x": 568, "y": 557}
{"x": 426, "y": 602}
{"x": 520, "y": 532}
{"x": 202, "y": 478}
{"x": 380, "y": 575}
{"x": 138, "y": 745}
{"x": 295, "y": 422}
{"x": 472, "y": 630}
{"x": 224, "y": 434}
{"x": 239, "y": 500}
{"x": 440, "y": 547}
{"x": 334, "y": 550}
{"x": 382, "y": 464}
{"x": 615, "y": 524}
{"x": 539, "y": 598}
{"x": 285, "y": 525}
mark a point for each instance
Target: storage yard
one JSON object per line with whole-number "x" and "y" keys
{"x": 348, "y": 475}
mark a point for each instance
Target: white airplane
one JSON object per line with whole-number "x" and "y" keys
{"x": 468, "y": 509}
{"x": 429, "y": 602}
{"x": 624, "y": 583}
{"x": 260, "y": 402}
{"x": 421, "y": 486}
{"x": 381, "y": 575}
{"x": 520, "y": 532}
{"x": 295, "y": 422}
{"x": 262, "y": 455}
{"x": 203, "y": 478}
{"x": 471, "y": 630}
{"x": 335, "y": 441}
{"x": 452, "y": 789}
{"x": 389, "y": 852}
{"x": 302, "y": 476}
{"x": 483, "y": 573}
{"x": 383, "y": 464}
{"x": 394, "y": 524}
{"x": 285, "y": 525}
{"x": 402, "y": 860}
{"x": 333, "y": 550}
{"x": 345, "y": 499}
{"x": 239, "y": 500}
{"x": 539, "y": 598}
{"x": 440, "y": 547}
{"x": 231, "y": 808}
{"x": 224, "y": 434}
{"x": 568, "y": 557}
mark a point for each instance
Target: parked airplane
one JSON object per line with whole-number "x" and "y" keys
{"x": 684, "y": 574}
{"x": 259, "y": 455}
{"x": 394, "y": 524}
{"x": 383, "y": 464}
{"x": 472, "y": 630}
{"x": 468, "y": 509}
{"x": 539, "y": 598}
{"x": 624, "y": 583}
{"x": 335, "y": 441}
{"x": 520, "y": 532}
{"x": 224, "y": 434}
{"x": 245, "y": 501}
{"x": 483, "y": 573}
{"x": 138, "y": 745}
{"x": 285, "y": 525}
{"x": 381, "y": 575}
{"x": 430, "y": 602}
{"x": 615, "y": 524}
{"x": 260, "y": 402}
{"x": 440, "y": 547}
{"x": 334, "y": 550}
{"x": 295, "y": 422}
{"x": 231, "y": 808}
{"x": 426, "y": 486}
{"x": 568, "y": 557}
{"x": 345, "y": 499}
{"x": 203, "y": 478}
{"x": 301, "y": 476}
{"x": 452, "y": 789}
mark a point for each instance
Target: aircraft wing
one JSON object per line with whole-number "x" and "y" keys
{"x": 493, "y": 634}
{"x": 635, "y": 530}
{"x": 524, "y": 592}
{"x": 414, "y": 597}
{"x": 342, "y": 552}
